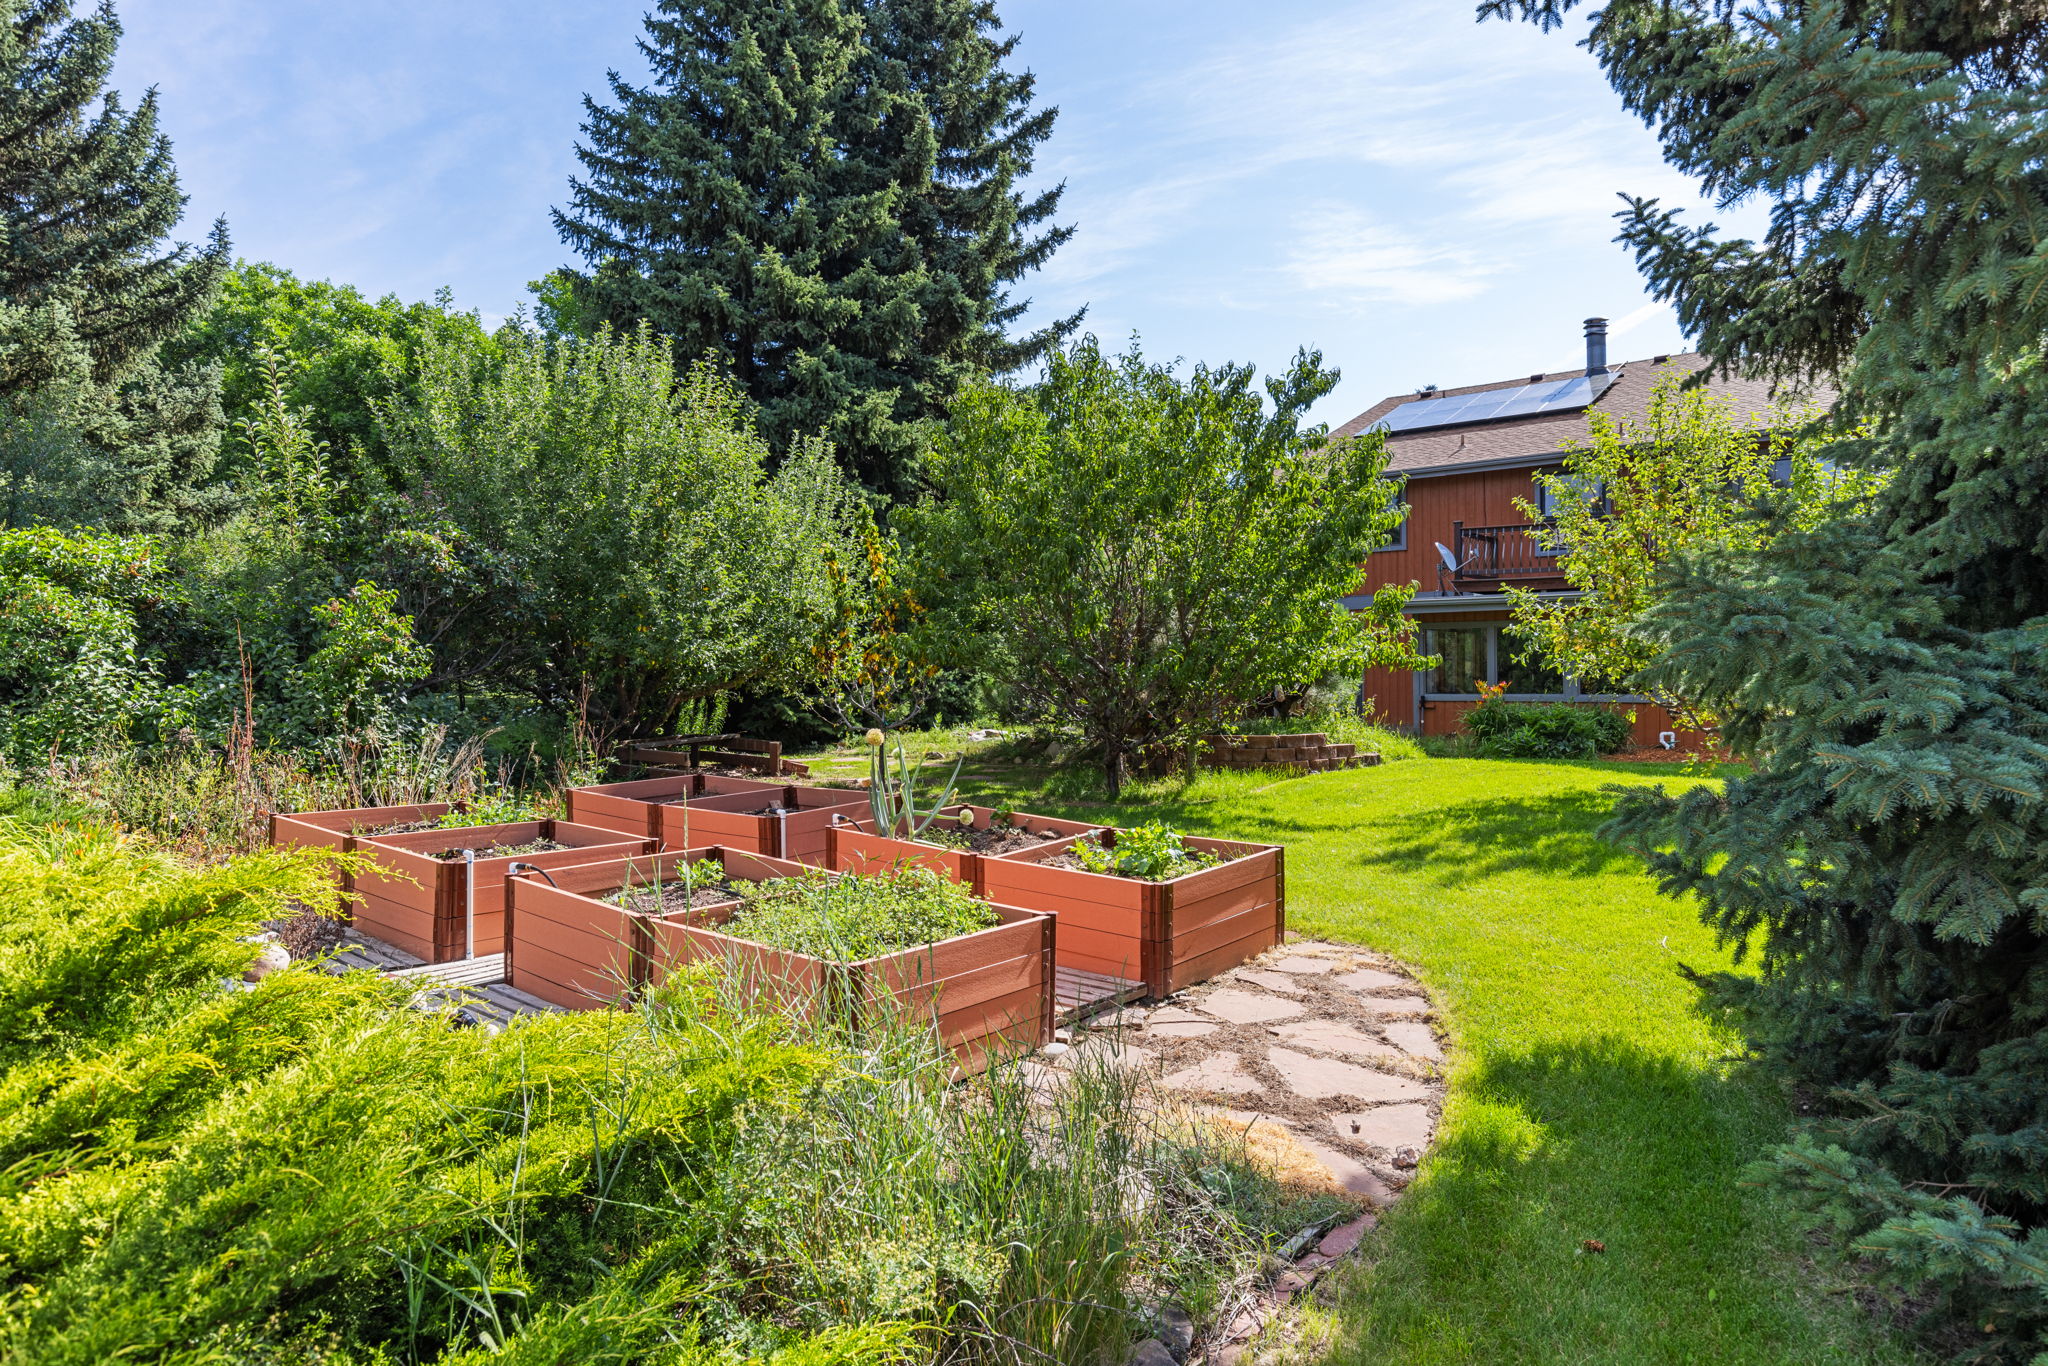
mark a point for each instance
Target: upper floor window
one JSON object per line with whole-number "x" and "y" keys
{"x": 1399, "y": 540}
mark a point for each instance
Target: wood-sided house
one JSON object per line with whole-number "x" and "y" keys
{"x": 1467, "y": 454}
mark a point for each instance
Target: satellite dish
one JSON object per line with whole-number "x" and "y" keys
{"x": 1443, "y": 552}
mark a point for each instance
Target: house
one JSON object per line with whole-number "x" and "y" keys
{"x": 1467, "y": 454}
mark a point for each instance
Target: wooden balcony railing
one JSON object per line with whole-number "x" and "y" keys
{"x": 1491, "y": 554}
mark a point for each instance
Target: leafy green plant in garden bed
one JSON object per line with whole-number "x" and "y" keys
{"x": 1536, "y": 730}
{"x": 850, "y": 918}
{"x": 1153, "y": 852}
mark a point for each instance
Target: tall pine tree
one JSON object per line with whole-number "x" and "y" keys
{"x": 92, "y": 428}
{"x": 1886, "y": 675}
{"x": 823, "y": 195}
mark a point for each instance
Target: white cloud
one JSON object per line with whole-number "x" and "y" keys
{"x": 1342, "y": 255}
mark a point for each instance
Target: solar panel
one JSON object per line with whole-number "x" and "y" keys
{"x": 1521, "y": 400}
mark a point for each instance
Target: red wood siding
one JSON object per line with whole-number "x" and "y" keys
{"x": 1482, "y": 498}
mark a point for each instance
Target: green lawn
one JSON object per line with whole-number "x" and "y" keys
{"x": 1587, "y": 1100}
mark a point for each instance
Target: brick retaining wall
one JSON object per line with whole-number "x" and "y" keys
{"x": 1308, "y": 752}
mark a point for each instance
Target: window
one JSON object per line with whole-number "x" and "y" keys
{"x": 1399, "y": 540}
{"x": 1481, "y": 654}
{"x": 1463, "y": 652}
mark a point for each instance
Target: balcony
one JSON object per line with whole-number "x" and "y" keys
{"x": 1482, "y": 558}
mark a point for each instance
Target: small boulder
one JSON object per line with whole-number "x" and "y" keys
{"x": 1151, "y": 1352}
{"x": 269, "y": 959}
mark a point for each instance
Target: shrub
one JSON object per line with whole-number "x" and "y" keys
{"x": 1531, "y": 730}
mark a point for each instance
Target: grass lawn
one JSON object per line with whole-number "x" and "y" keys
{"x": 1587, "y": 1099}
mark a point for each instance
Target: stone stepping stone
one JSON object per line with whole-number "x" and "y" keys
{"x": 1415, "y": 1038}
{"x": 1297, "y": 963}
{"x": 1395, "y": 1005}
{"x": 1319, "y": 1077}
{"x": 1387, "y": 1126}
{"x": 1183, "y": 1029}
{"x": 1372, "y": 979}
{"x": 1271, "y": 981}
{"x": 1331, "y": 1036}
{"x": 1344, "y": 1237}
{"x": 1218, "y": 1074}
{"x": 1246, "y": 1007}
{"x": 1111, "y": 1048}
{"x": 1351, "y": 1175}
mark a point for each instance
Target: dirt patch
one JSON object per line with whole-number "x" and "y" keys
{"x": 502, "y": 850}
{"x": 671, "y": 897}
{"x": 306, "y": 933}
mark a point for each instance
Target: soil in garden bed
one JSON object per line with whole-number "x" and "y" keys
{"x": 994, "y": 839}
{"x": 674, "y": 896}
{"x": 501, "y": 850}
{"x": 306, "y": 934}
{"x": 402, "y": 828}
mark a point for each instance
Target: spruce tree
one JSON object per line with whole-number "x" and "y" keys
{"x": 971, "y": 225}
{"x": 1887, "y": 674}
{"x": 821, "y": 195}
{"x": 92, "y": 427}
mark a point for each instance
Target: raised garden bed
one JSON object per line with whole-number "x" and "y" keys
{"x": 418, "y": 895}
{"x": 575, "y": 944}
{"x": 1168, "y": 934}
{"x": 783, "y": 822}
{"x": 634, "y": 808}
{"x": 732, "y": 754}
{"x": 959, "y": 839}
{"x": 343, "y": 830}
{"x": 571, "y": 941}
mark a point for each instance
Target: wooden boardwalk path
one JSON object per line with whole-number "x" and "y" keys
{"x": 475, "y": 988}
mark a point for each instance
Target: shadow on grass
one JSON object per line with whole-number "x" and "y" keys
{"x": 1636, "y": 1150}
{"x": 1554, "y": 833}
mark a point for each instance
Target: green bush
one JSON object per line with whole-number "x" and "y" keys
{"x": 1535, "y": 730}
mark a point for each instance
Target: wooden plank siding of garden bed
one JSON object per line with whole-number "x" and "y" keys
{"x": 634, "y": 808}
{"x": 1168, "y": 934}
{"x": 798, "y": 833}
{"x": 338, "y": 830}
{"x": 422, "y": 904}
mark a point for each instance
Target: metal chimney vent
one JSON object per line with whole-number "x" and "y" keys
{"x": 1596, "y": 347}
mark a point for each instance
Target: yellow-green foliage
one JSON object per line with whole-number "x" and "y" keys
{"x": 310, "y": 1169}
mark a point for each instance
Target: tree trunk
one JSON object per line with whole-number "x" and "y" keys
{"x": 1113, "y": 770}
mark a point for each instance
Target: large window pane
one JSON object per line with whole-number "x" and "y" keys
{"x": 1537, "y": 677}
{"x": 1463, "y": 650}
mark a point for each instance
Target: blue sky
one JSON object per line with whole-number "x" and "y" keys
{"x": 1425, "y": 199}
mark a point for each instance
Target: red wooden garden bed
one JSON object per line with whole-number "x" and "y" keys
{"x": 343, "y": 830}
{"x": 422, "y": 904}
{"x": 634, "y": 808}
{"x": 569, "y": 946}
{"x": 735, "y": 821}
{"x": 988, "y": 992}
{"x": 1166, "y": 934}
{"x": 849, "y": 849}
